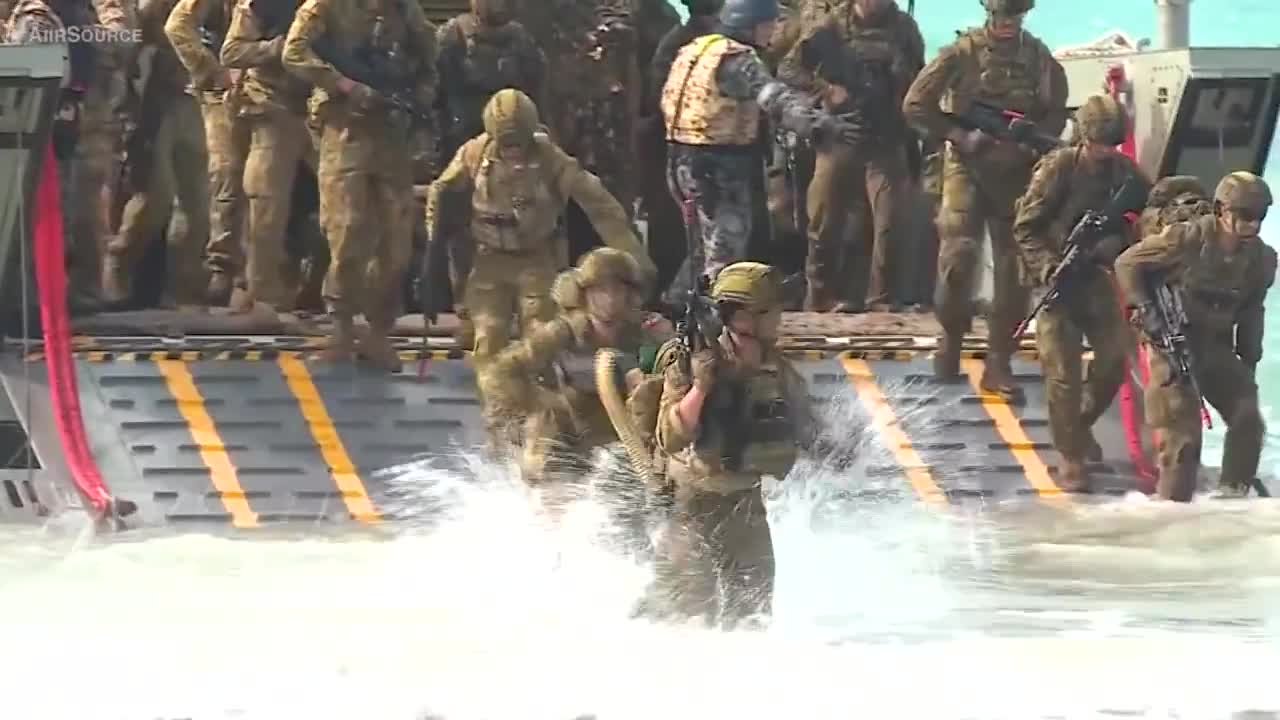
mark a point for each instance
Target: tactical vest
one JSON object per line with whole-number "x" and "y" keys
{"x": 751, "y": 424}
{"x": 488, "y": 65}
{"x": 513, "y": 207}
{"x": 695, "y": 110}
{"x": 1215, "y": 284}
{"x": 1013, "y": 75}
{"x": 1088, "y": 190}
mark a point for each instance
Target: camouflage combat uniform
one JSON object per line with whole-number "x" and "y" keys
{"x": 515, "y": 209}
{"x": 1224, "y": 295}
{"x": 715, "y": 561}
{"x": 875, "y": 60}
{"x": 365, "y": 168}
{"x": 272, "y": 104}
{"x": 549, "y": 376}
{"x": 712, "y": 103}
{"x": 195, "y": 29}
{"x": 1066, "y": 184}
{"x": 593, "y": 85}
{"x": 979, "y": 191}
{"x": 167, "y": 158}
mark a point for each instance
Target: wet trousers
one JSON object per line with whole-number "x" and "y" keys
{"x": 1173, "y": 409}
{"x": 505, "y": 286}
{"x": 713, "y": 189}
{"x": 1089, "y": 309}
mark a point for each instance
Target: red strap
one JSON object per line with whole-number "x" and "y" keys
{"x": 51, "y": 286}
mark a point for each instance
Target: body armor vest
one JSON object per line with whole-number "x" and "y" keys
{"x": 750, "y": 422}
{"x": 488, "y": 65}
{"x": 874, "y": 93}
{"x": 695, "y": 110}
{"x": 1216, "y": 283}
{"x": 1089, "y": 190}
{"x": 1013, "y": 75}
{"x": 513, "y": 207}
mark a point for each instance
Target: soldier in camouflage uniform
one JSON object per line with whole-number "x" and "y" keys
{"x": 517, "y": 182}
{"x": 1222, "y": 270}
{"x": 1004, "y": 65}
{"x": 365, "y": 162}
{"x": 481, "y": 52}
{"x": 593, "y": 93}
{"x": 728, "y": 416}
{"x": 167, "y": 158}
{"x": 1067, "y": 183}
{"x": 548, "y": 377}
{"x": 712, "y": 103}
{"x": 195, "y": 29}
{"x": 869, "y": 51}
{"x": 272, "y": 103}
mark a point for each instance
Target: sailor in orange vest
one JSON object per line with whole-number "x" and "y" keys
{"x": 711, "y": 102}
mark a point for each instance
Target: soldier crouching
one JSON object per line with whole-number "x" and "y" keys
{"x": 1222, "y": 270}
{"x": 728, "y": 416}
{"x": 549, "y": 376}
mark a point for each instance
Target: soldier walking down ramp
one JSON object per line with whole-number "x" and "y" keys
{"x": 272, "y": 104}
{"x": 518, "y": 182}
{"x": 548, "y": 377}
{"x": 712, "y": 102}
{"x": 861, "y": 60}
{"x": 196, "y": 28}
{"x": 1008, "y": 68}
{"x": 1066, "y": 185}
{"x": 1222, "y": 272}
{"x": 730, "y": 414}
{"x": 365, "y": 164}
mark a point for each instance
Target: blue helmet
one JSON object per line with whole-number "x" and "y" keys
{"x": 744, "y": 15}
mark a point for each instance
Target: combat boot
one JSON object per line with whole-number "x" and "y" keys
{"x": 341, "y": 340}
{"x": 218, "y": 292}
{"x": 997, "y": 378}
{"x": 115, "y": 281}
{"x": 946, "y": 359}
{"x": 1073, "y": 477}
{"x": 376, "y": 348}
{"x": 1178, "y": 483}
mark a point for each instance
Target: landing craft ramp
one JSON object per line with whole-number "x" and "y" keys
{"x": 250, "y": 431}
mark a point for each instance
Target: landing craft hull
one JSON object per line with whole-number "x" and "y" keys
{"x": 251, "y": 431}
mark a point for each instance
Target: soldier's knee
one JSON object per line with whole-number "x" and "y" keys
{"x": 1247, "y": 419}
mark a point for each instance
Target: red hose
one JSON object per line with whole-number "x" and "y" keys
{"x": 51, "y": 288}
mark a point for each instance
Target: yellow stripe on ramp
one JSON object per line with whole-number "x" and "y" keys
{"x": 886, "y": 423}
{"x": 298, "y": 378}
{"x": 1010, "y": 430}
{"x": 182, "y": 385}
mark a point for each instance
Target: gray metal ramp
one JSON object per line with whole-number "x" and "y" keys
{"x": 257, "y": 437}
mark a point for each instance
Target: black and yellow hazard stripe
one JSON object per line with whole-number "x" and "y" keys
{"x": 1011, "y": 431}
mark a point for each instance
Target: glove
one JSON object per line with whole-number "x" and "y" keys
{"x": 969, "y": 142}
{"x": 836, "y": 130}
{"x": 1148, "y": 318}
{"x": 703, "y": 368}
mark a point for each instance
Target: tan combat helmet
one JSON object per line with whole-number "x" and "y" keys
{"x": 1243, "y": 192}
{"x": 492, "y": 12}
{"x": 1102, "y": 120}
{"x": 609, "y": 264}
{"x": 752, "y": 284}
{"x": 510, "y": 117}
{"x": 1008, "y": 7}
{"x": 1174, "y": 199}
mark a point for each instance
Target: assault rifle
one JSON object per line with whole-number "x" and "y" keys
{"x": 789, "y": 141}
{"x": 211, "y": 40}
{"x": 1003, "y": 124}
{"x": 1173, "y": 344}
{"x": 1083, "y": 240}
{"x": 380, "y": 71}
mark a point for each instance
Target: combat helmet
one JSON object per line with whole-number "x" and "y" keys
{"x": 752, "y": 284}
{"x": 605, "y": 264}
{"x": 1243, "y": 191}
{"x": 1008, "y": 7}
{"x": 742, "y": 16}
{"x": 1102, "y": 120}
{"x": 510, "y": 117}
{"x": 492, "y": 12}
